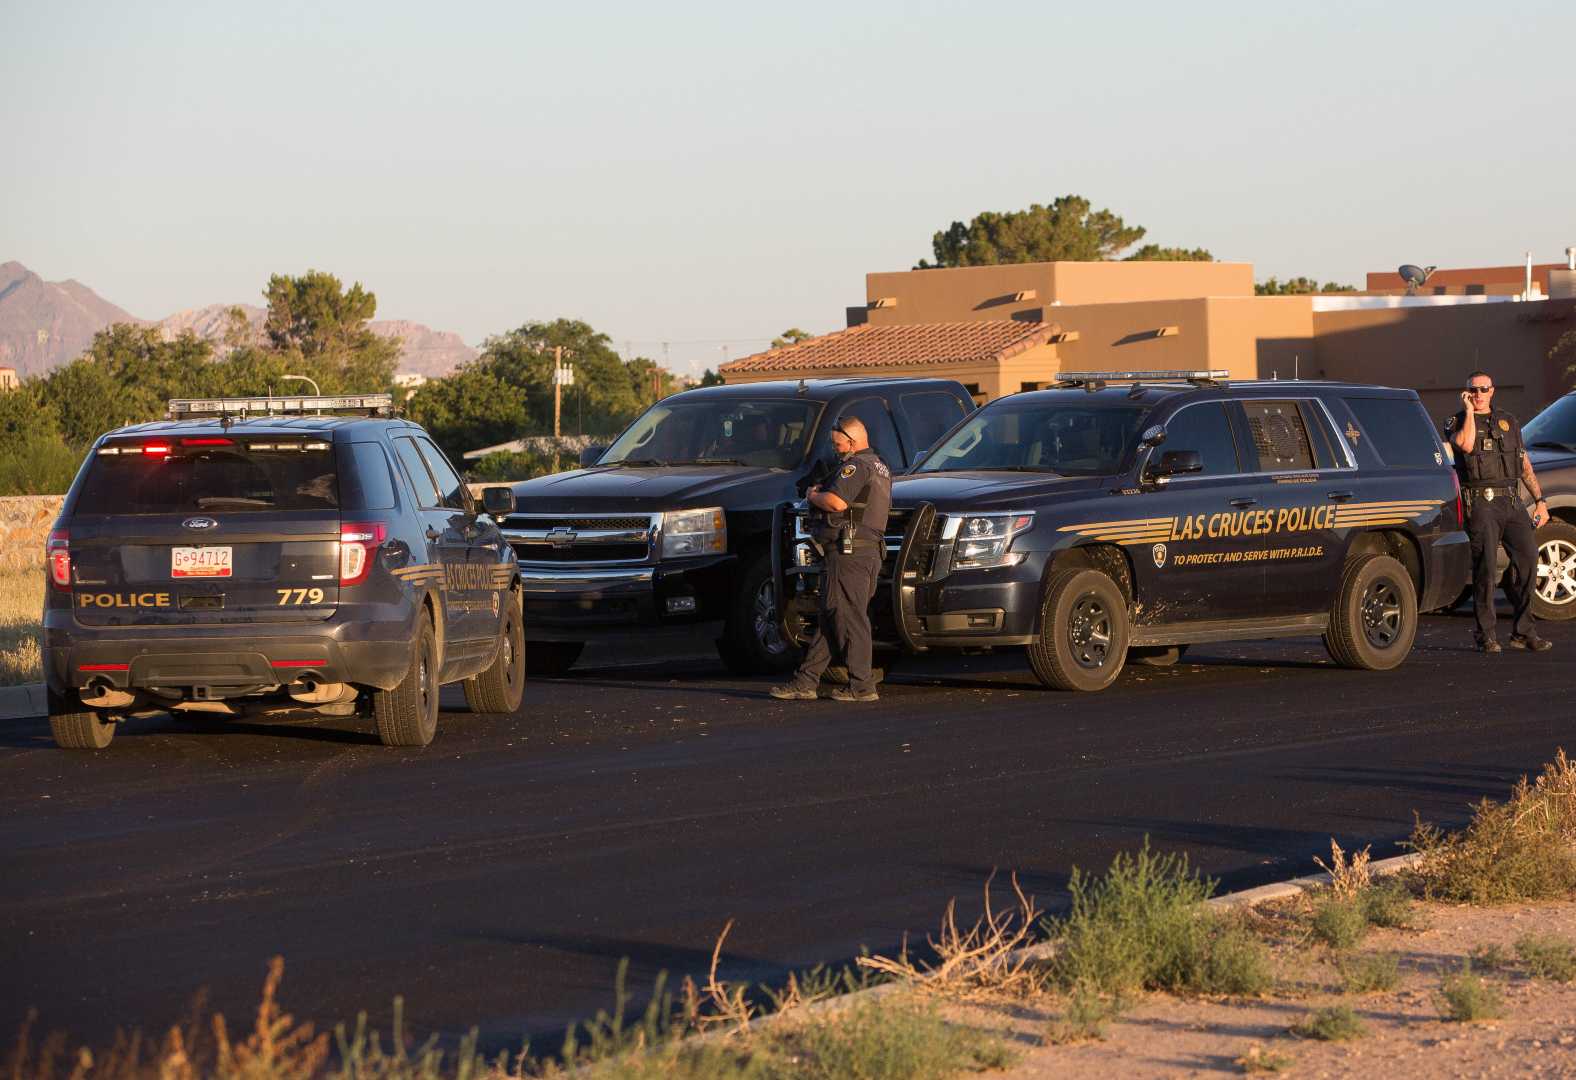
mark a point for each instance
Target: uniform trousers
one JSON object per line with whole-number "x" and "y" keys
{"x": 843, "y": 616}
{"x": 1491, "y": 523}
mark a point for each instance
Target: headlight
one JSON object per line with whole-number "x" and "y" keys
{"x": 694, "y": 532}
{"x": 983, "y": 540}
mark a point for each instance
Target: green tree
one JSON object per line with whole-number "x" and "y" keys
{"x": 791, "y": 336}
{"x": 1299, "y": 286}
{"x": 1156, "y": 253}
{"x": 126, "y": 376}
{"x": 34, "y": 458}
{"x": 710, "y": 378}
{"x": 319, "y": 327}
{"x": 1067, "y": 229}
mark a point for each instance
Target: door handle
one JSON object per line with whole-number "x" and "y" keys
{"x": 1240, "y": 503}
{"x": 1340, "y": 496}
{"x": 433, "y": 534}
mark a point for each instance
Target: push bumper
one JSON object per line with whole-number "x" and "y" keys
{"x": 568, "y": 603}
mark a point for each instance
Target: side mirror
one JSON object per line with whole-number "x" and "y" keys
{"x": 1177, "y": 462}
{"x": 918, "y": 458}
{"x": 591, "y": 455}
{"x": 498, "y": 501}
{"x": 1153, "y": 436}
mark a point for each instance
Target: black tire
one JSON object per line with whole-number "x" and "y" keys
{"x": 752, "y": 642}
{"x": 1374, "y": 620}
{"x": 500, "y": 688}
{"x": 551, "y": 658}
{"x": 84, "y": 729}
{"x": 1083, "y": 631}
{"x": 1155, "y": 655}
{"x": 408, "y": 714}
{"x": 1554, "y": 591}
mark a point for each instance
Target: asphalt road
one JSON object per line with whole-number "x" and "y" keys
{"x": 497, "y": 877}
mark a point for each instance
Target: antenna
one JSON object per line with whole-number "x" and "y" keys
{"x": 1414, "y": 276}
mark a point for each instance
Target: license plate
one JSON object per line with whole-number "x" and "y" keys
{"x": 203, "y": 562}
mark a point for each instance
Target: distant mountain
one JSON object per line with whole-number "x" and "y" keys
{"x": 430, "y": 352}
{"x": 44, "y": 324}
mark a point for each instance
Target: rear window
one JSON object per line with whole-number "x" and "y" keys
{"x": 1398, "y": 430}
{"x": 236, "y": 477}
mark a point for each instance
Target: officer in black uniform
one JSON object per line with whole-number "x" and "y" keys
{"x": 1490, "y": 458}
{"x": 850, "y": 528}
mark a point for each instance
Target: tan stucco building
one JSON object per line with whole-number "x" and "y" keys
{"x": 1002, "y": 329}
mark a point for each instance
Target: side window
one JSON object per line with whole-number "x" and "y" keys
{"x": 364, "y": 482}
{"x": 1278, "y": 435}
{"x": 416, "y": 472}
{"x": 930, "y": 415}
{"x": 1204, "y": 428}
{"x": 1398, "y": 430}
{"x": 450, "y": 487}
{"x": 872, "y": 412}
{"x": 1325, "y": 455}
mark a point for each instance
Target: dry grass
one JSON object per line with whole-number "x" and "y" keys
{"x": 21, "y": 605}
{"x": 988, "y": 958}
{"x": 1348, "y": 877}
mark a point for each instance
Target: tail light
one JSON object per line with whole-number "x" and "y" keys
{"x": 58, "y": 554}
{"x": 358, "y": 543}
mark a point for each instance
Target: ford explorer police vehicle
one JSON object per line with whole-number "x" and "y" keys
{"x": 250, "y": 554}
{"x": 669, "y": 530}
{"x": 1131, "y": 514}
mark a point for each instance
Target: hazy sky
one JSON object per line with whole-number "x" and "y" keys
{"x": 696, "y": 172}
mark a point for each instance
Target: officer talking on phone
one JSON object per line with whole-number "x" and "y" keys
{"x": 1490, "y": 459}
{"x": 848, "y": 523}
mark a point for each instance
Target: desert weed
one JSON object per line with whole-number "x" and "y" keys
{"x": 1546, "y": 956}
{"x": 1465, "y": 997}
{"x": 1336, "y": 1023}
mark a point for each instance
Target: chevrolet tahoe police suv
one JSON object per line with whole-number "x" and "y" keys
{"x": 256, "y": 554}
{"x": 669, "y": 530}
{"x": 1123, "y": 515}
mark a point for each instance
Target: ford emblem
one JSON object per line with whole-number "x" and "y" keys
{"x": 199, "y": 523}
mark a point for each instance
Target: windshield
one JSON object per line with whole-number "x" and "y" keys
{"x": 1554, "y": 426}
{"x": 1070, "y": 438}
{"x": 725, "y": 431}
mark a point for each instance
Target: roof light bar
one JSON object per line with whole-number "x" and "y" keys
{"x": 356, "y": 404}
{"x": 1071, "y": 377}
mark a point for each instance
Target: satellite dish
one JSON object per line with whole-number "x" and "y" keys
{"x": 1414, "y": 276}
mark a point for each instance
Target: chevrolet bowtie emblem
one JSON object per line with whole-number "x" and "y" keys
{"x": 561, "y": 537}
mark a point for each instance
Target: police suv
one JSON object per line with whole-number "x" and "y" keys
{"x": 253, "y": 554}
{"x": 1131, "y": 514}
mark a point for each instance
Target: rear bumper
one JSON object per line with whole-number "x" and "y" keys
{"x": 225, "y": 660}
{"x": 569, "y": 603}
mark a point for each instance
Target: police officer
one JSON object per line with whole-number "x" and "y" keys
{"x": 1490, "y": 458}
{"x": 850, "y": 529}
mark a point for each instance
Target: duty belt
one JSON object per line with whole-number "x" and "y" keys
{"x": 1490, "y": 492}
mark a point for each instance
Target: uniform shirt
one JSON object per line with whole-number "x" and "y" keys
{"x": 1496, "y": 459}
{"x": 864, "y": 477}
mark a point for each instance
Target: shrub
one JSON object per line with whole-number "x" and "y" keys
{"x": 1389, "y": 905}
{"x": 1464, "y": 996}
{"x": 1259, "y": 1060}
{"x": 1492, "y": 957}
{"x": 1085, "y": 1017}
{"x": 1370, "y": 973}
{"x": 1334, "y": 1024}
{"x": 1141, "y": 926}
{"x": 1548, "y": 957}
{"x": 886, "y": 1037}
{"x": 1517, "y": 850}
{"x": 1339, "y": 922}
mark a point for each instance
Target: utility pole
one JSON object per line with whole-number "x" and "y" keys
{"x": 558, "y": 384}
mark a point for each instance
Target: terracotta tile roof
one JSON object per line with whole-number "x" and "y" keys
{"x": 912, "y": 345}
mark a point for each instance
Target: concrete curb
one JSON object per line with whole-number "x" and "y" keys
{"x": 25, "y": 702}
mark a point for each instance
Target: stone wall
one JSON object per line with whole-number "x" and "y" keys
{"x": 24, "y": 527}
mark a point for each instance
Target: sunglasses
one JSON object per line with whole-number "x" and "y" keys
{"x": 1479, "y": 389}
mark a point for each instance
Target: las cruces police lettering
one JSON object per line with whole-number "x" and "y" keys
{"x": 1256, "y": 522}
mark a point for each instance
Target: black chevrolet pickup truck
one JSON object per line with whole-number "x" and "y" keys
{"x": 668, "y": 530}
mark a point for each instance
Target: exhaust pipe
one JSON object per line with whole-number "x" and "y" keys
{"x": 101, "y": 695}
{"x": 309, "y": 691}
